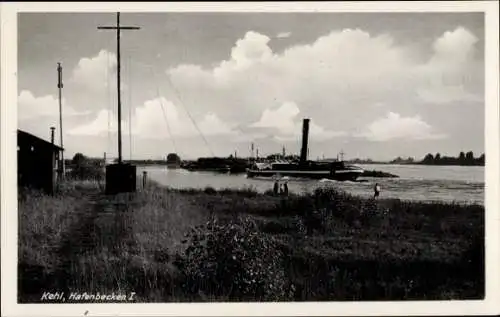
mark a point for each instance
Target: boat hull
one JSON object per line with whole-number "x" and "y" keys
{"x": 337, "y": 175}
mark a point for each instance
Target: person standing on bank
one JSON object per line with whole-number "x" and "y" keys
{"x": 285, "y": 188}
{"x": 376, "y": 189}
{"x": 276, "y": 187}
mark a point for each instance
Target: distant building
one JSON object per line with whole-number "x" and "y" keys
{"x": 36, "y": 162}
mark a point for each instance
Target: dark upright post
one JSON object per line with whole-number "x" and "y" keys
{"x": 119, "y": 177}
{"x": 60, "y": 86}
{"x": 53, "y": 162}
{"x": 52, "y": 135}
{"x": 305, "y": 136}
{"x": 118, "y": 78}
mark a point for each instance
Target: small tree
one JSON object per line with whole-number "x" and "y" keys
{"x": 79, "y": 159}
{"x": 437, "y": 158}
{"x": 461, "y": 157}
{"x": 173, "y": 158}
{"x": 85, "y": 168}
{"x": 428, "y": 159}
{"x": 482, "y": 159}
{"x": 469, "y": 157}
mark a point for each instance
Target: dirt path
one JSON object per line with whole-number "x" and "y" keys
{"x": 101, "y": 225}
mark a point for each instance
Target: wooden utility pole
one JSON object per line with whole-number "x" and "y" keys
{"x": 118, "y": 28}
{"x": 60, "y": 86}
{"x": 129, "y": 114}
{"x": 54, "y": 166}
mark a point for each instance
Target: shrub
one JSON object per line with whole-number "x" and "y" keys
{"x": 83, "y": 168}
{"x": 247, "y": 192}
{"x": 210, "y": 191}
{"x": 269, "y": 192}
{"x": 233, "y": 261}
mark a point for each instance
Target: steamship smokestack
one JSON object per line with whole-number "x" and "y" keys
{"x": 305, "y": 136}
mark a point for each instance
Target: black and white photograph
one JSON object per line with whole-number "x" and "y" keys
{"x": 249, "y": 156}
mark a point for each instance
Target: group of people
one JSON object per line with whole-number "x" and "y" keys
{"x": 280, "y": 189}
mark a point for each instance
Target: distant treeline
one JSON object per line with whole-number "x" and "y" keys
{"x": 463, "y": 158}
{"x": 467, "y": 159}
{"x": 398, "y": 160}
{"x": 145, "y": 162}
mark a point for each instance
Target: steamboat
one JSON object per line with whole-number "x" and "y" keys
{"x": 304, "y": 168}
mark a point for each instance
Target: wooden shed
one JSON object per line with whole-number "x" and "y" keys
{"x": 37, "y": 162}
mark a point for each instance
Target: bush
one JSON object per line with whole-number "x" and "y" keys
{"x": 247, "y": 192}
{"x": 84, "y": 168}
{"x": 269, "y": 192}
{"x": 233, "y": 261}
{"x": 210, "y": 191}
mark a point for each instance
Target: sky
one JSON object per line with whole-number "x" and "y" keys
{"x": 375, "y": 85}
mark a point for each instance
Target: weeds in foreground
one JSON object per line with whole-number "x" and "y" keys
{"x": 241, "y": 245}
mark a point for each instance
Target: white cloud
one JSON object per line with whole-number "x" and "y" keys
{"x": 97, "y": 72}
{"x": 150, "y": 121}
{"x": 284, "y": 35}
{"x": 336, "y": 79}
{"x": 104, "y": 122}
{"x": 342, "y": 81}
{"x": 319, "y": 133}
{"x": 280, "y": 118}
{"x": 448, "y": 94}
{"x": 31, "y": 106}
{"x": 252, "y": 49}
{"x": 452, "y": 74}
{"x": 457, "y": 45}
{"x": 288, "y": 126}
{"x": 394, "y": 126}
{"x": 92, "y": 84}
{"x": 213, "y": 125}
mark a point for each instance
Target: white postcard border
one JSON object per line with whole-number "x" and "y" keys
{"x": 8, "y": 119}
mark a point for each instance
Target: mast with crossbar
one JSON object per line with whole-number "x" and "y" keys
{"x": 118, "y": 28}
{"x": 341, "y": 155}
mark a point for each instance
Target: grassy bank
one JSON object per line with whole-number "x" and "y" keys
{"x": 239, "y": 245}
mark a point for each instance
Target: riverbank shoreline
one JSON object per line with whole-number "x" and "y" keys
{"x": 170, "y": 245}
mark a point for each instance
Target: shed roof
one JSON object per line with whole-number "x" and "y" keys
{"x": 25, "y": 136}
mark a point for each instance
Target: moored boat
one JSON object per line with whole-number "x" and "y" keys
{"x": 335, "y": 170}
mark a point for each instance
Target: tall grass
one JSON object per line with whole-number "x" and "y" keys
{"x": 198, "y": 245}
{"x": 101, "y": 243}
{"x": 44, "y": 222}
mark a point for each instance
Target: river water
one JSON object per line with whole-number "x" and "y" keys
{"x": 462, "y": 184}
